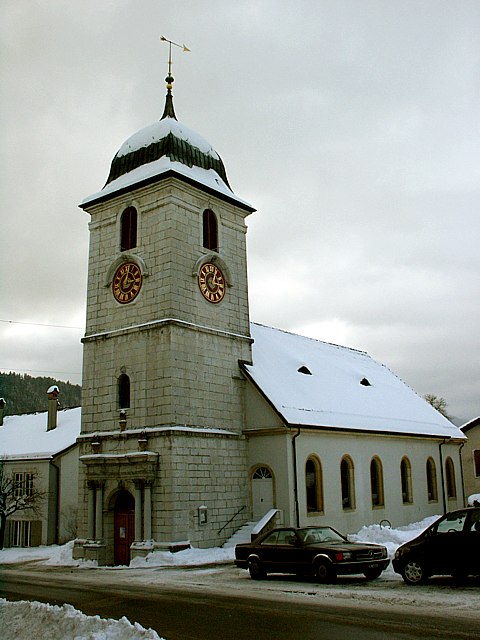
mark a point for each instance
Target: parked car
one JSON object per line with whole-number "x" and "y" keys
{"x": 450, "y": 546}
{"x": 318, "y": 551}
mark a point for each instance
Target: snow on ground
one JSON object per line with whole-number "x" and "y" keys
{"x": 213, "y": 569}
{"x": 34, "y": 619}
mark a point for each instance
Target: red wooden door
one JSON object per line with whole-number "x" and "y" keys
{"x": 124, "y": 534}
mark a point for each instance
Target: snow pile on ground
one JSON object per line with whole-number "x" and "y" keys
{"x": 391, "y": 538}
{"x": 34, "y": 619}
{"x": 186, "y": 558}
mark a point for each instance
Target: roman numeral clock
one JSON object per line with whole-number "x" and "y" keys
{"x": 127, "y": 282}
{"x": 211, "y": 282}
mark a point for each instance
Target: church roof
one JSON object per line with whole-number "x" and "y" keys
{"x": 317, "y": 384}
{"x": 161, "y": 149}
{"x": 26, "y": 436}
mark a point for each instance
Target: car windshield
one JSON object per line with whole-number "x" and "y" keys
{"x": 315, "y": 535}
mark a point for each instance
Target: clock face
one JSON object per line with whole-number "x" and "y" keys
{"x": 211, "y": 282}
{"x": 127, "y": 282}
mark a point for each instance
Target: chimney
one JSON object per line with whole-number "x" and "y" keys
{"x": 52, "y": 394}
{"x": 2, "y": 409}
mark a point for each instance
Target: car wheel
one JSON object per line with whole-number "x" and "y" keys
{"x": 257, "y": 572}
{"x": 372, "y": 574}
{"x": 413, "y": 572}
{"x": 325, "y": 572}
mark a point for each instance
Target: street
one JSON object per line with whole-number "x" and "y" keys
{"x": 179, "y": 611}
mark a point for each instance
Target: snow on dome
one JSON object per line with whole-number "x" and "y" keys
{"x": 159, "y": 130}
{"x": 53, "y": 389}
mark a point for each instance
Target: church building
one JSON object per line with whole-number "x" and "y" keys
{"x": 196, "y": 421}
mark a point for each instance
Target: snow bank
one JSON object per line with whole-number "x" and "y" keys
{"x": 34, "y": 619}
{"x": 186, "y": 558}
{"x": 392, "y": 538}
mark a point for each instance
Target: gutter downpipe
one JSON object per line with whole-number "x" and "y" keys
{"x": 442, "y": 474}
{"x": 57, "y": 500}
{"x": 461, "y": 472}
{"x": 295, "y": 483}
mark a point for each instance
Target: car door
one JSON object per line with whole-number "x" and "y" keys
{"x": 472, "y": 543}
{"x": 445, "y": 551}
{"x": 286, "y": 552}
{"x": 267, "y": 551}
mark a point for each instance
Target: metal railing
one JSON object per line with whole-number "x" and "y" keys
{"x": 232, "y": 518}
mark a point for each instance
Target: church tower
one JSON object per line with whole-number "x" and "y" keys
{"x": 163, "y": 462}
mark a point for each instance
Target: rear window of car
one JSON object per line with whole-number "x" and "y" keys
{"x": 453, "y": 522}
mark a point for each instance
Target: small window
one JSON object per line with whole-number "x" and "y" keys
{"x": 365, "y": 382}
{"x": 305, "y": 370}
{"x": 210, "y": 230}
{"x": 432, "y": 481}
{"x": 124, "y": 391}
{"x": 313, "y": 485}
{"x": 262, "y": 473}
{"x": 29, "y": 484}
{"x": 21, "y": 533}
{"x": 406, "y": 480}
{"x": 450, "y": 479}
{"x": 376, "y": 482}
{"x": 348, "y": 483}
{"x": 23, "y": 485}
{"x": 128, "y": 226}
{"x": 476, "y": 462}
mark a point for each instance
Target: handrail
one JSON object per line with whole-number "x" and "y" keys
{"x": 234, "y": 516}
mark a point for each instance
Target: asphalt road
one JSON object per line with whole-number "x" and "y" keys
{"x": 181, "y": 613}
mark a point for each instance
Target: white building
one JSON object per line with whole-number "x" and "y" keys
{"x": 194, "y": 421}
{"x": 40, "y": 452}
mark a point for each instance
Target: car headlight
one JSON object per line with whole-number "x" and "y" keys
{"x": 341, "y": 557}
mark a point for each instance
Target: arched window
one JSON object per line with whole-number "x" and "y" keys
{"x": 210, "y": 230}
{"x": 124, "y": 391}
{"x": 450, "y": 479}
{"x": 262, "y": 473}
{"x": 431, "y": 480}
{"x": 376, "y": 482}
{"x": 406, "y": 479}
{"x": 128, "y": 229}
{"x": 347, "y": 477}
{"x": 313, "y": 485}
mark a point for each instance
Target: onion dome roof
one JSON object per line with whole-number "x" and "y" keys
{"x": 165, "y": 148}
{"x": 169, "y": 138}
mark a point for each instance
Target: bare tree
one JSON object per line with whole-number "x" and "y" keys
{"x": 15, "y": 496}
{"x": 440, "y": 404}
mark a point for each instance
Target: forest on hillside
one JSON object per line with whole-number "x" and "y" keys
{"x": 26, "y": 394}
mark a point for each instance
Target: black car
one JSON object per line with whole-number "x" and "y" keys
{"x": 318, "y": 551}
{"x": 450, "y": 546}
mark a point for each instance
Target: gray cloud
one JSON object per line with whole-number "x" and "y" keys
{"x": 352, "y": 127}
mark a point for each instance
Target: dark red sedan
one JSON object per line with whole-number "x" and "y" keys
{"x": 318, "y": 551}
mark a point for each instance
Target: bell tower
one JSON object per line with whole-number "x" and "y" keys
{"x": 167, "y": 324}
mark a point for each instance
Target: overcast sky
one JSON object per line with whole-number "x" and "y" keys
{"x": 351, "y": 125}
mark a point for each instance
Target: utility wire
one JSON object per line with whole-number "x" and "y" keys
{"x": 40, "y": 324}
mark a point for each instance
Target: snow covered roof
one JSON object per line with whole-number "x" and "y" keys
{"x": 475, "y": 422}
{"x": 161, "y": 149}
{"x": 26, "y": 436}
{"x": 314, "y": 383}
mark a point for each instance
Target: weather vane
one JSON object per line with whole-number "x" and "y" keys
{"x": 169, "y": 78}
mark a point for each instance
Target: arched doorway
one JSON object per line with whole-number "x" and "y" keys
{"x": 262, "y": 492}
{"x": 124, "y": 527}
